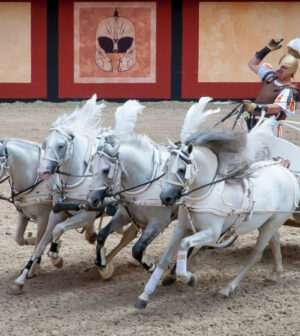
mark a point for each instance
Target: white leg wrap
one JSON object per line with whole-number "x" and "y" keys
{"x": 181, "y": 263}
{"x": 144, "y": 297}
{"x": 103, "y": 254}
{"x": 152, "y": 283}
{"x": 21, "y": 279}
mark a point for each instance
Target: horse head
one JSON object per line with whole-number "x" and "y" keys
{"x": 105, "y": 169}
{"x": 179, "y": 170}
{"x": 3, "y": 159}
{"x": 57, "y": 146}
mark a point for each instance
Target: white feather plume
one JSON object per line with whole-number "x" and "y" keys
{"x": 295, "y": 45}
{"x": 265, "y": 126}
{"x": 85, "y": 120}
{"x": 126, "y": 116}
{"x": 195, "y": 117}
{"x": 256, "y": 148}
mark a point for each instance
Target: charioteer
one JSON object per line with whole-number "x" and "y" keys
{"x": 278, "y": 95}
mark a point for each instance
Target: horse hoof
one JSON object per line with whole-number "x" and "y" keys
{"x": 140, "y": 304}
{"x": 225, "y": 292}
{"x": 30, "y": 240}
{"x": 107, "y": 271}
{"x": 193, "y": 280}
{"x": 169, "y": 280}
{"x": 92, "y": 238}
{"x": 58, "y": 262}
{"x": 16, "y": 289}
{"x": 273, "y": 277}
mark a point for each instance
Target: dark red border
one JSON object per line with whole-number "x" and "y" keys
{"x": 69, "y": 89}
{"x": 190, "y": 86}
{"x": 38, "y": 86}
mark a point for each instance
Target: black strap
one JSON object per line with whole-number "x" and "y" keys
{"x": 137, "y": 186}
{"x": 211, "y": 183}
{"x": 240, "y": 112}
{"x": 5, "y": 179}
{"x": 29, "y": 188}
{"x": 58, "y": 171}
{"x": 267, "y": 74}
{"x": 230, "y": 114}
{"x": 262, "y": 53}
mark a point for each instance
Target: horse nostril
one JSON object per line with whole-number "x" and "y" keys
{"x": 95, "y": 202}
{"x": 168, "y": 200}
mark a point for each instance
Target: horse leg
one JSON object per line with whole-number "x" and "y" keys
{"x": 266, "y": 232}
{"x": 153, "y": 229}
{"x": 21, "y": 227}
{"x": 42, "y": 222}
{"x": 90, "y": 234}
{"x": 206, "y": 236}
{"x": 180, "y": 231}
{"x": 82, "y": 219}
{"x": 19, "y": 283}
{"x": 127, "y": 237}
{"x": 119, "y": 220}
{"x": 274, "y": 244}
{"x": 170, "y": 278}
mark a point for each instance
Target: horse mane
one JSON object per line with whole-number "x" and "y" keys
{"x": 139, "y": 141}
{"x": 230, "y": 148}
{"x": 85, "y": 119}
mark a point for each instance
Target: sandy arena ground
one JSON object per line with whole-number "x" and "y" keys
{"x": 75, "y": 301}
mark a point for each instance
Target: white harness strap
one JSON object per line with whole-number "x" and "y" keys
{"x": 213, "y": 202}
{"x": 80, "y": 189}
{"x": 149, "y": 194}
{"x": 69, "y": 148}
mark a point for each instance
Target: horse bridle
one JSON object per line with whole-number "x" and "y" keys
{"x": 4, "y": 162}
{"x": 113, "y": 174}
{"x": 68, "y": 152}
{"x": 190, "y": 168}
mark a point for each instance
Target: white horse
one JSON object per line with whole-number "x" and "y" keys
{"x": 69, "y": 148}
{"x": 130, "y": 164}
{"x": 223, "y": 192}
{"x": 123, "y": 167}
{"x": 19, "y": 160}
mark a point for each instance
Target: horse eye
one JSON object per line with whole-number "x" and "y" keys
{"x": 181, "y": 170}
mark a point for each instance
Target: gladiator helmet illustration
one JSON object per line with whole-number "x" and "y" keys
{"x": 115, "y": 34}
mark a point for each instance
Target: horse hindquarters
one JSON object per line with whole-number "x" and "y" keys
{"x": 282, "y": 198}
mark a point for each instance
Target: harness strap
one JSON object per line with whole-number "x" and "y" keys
{"x": 130, "y": 217}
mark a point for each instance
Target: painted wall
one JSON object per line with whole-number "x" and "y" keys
{"x": 15, "y": 42}
{"x": 183, "y": 49}
{"x": 231, "y": 32}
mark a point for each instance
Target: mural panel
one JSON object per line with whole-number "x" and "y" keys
{"x": 23, "y": 45}
{"x": 15, "y": 42}
{"x": 226, "y": 41}
{"x": 115, "y": 42}
{"x": 116, "y": 49}
{"x": 217, "y": 48}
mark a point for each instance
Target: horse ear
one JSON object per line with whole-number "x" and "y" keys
{"x": 113, "y": 149}
{"x": 190, "y": 148}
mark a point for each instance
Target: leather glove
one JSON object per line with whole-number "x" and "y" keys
{"x": 249, "y": 106}
{"x": 275, "y": 44}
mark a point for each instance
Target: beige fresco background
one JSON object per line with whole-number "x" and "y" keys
{"x": 15, "y": 42}
{"x": 87, "y": 16}
{"x": 231, "y": 32}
